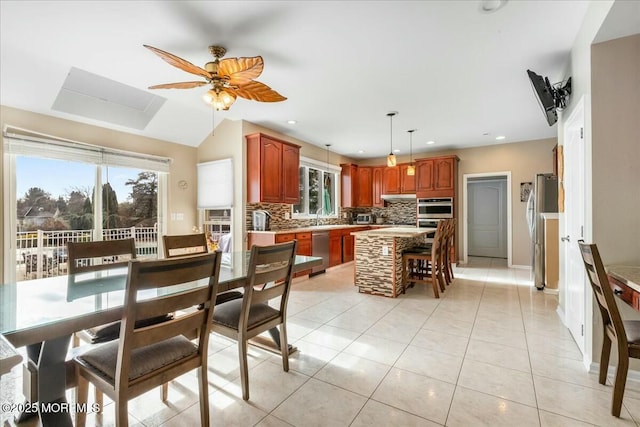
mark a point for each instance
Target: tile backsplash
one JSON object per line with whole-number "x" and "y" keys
{"x": 397, "y": 212}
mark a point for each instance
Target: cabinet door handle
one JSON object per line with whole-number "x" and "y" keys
{"x": 566, "y": 239}
{"x": 618, "y": 291}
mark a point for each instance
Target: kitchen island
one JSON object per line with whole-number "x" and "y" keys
{"x": 378, "y": 257}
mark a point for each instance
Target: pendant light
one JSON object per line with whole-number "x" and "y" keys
{"x": 391, "y": 158}
{"x": 411, "y": 169}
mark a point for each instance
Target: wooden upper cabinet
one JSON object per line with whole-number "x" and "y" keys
{"x": 391, "y": 180}
{"x": 436, "y": 177}
{"x": 424, "y": 175}
{"x": 272, "y": 170}
{"x": 349, "y": 181}
{"x": 365, "y": 186}
{"x": 377, "y": 186}
{"x": 290, "y": 174}
{"x": 407, "y": 182}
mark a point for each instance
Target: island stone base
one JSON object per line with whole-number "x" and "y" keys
{"x": 378, "y": 271}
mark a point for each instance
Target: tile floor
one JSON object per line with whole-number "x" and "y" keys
{"x": 490, "y": 352}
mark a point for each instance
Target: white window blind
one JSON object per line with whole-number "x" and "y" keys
{"x": 215, "y": 184}
{"x": 25, "y": 143}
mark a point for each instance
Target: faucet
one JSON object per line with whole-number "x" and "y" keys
{"x": 318, "y": 212}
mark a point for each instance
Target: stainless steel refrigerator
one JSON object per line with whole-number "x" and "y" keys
{"x": 543, "y": 198}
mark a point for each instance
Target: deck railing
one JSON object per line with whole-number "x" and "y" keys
{"x": 44, "y": 253}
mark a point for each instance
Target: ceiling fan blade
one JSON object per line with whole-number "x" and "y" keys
{"x": 257, "y": 91}
{"x": 180, "y": 63}
{"x": 181, "y": 85}
{"x": 241, "y": 70}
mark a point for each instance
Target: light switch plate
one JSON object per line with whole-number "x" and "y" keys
{"x": 385, "y": 250}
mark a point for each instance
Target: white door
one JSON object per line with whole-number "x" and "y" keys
{"x": 487, "y": 218}
{"x": 574, "y": 186}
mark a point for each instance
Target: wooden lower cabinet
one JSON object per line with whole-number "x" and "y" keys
{"x": 335, "y": 248}
{"x": 341, "y": 244}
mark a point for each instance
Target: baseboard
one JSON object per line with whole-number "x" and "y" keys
{"x": 521, "y": 267}
{"x": 561, "y": 314}
{"x": 632, "y": 375}
{"x": 551, "y": 291}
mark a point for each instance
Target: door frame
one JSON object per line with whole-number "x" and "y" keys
{"x": 578, "y": 116}
{"x": 465, "y": 219}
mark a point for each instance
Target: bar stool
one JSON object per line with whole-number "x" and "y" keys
{"x": 446, "y": 252}
{"x": 423, "y": 264}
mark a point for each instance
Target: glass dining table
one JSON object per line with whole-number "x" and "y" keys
{"x": 42, "y": 315}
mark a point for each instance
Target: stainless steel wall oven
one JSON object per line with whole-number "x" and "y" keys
{"x": 439, "y": 208}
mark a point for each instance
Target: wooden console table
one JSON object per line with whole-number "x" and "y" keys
{"x": 625, "y": 282}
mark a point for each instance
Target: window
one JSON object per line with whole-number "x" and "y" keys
{"x": 66, "y": 191}
{"x": 318, "y": 190}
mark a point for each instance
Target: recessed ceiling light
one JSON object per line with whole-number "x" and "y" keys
{"x": 500, "y": 137}
{"x": 397, "y": 150}
{"x": 430, "y": 142}
{"x": 292, "y": 122}
{"x": 490, "y": 6}
{"x": 360, "y": 151}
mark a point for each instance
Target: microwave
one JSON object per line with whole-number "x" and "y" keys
{"x": 364, "y": 219}
{"x": 434, "y": 208}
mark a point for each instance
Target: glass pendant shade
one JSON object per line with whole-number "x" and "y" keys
{"x": 220, "y": 100}
{"x": 391, "y": 158}
{"x": 411, "y": 169}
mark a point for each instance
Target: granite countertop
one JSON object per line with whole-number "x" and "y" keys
{"x": 627, "y": 274}
{"x": 319, "y": 228}
{"x": 395, "y": 232}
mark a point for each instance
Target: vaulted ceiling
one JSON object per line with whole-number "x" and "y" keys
{"x": 455, "y": 72}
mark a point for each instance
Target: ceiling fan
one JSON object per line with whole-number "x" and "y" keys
{"x": 229, "y": 78}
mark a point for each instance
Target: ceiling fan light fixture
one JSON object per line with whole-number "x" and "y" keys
{"x": 220, "y": 100}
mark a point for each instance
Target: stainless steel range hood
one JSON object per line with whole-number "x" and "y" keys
{"x": 392, "y": 197}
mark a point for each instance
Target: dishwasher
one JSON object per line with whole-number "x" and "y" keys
{"x": 320, "y": 248}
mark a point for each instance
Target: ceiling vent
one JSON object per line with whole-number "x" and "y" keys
{"x": 95, "y": 97}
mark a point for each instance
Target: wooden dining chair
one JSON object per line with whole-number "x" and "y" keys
{"x": 86, "y": 257}
{"x": 268, "y": 277}
{"x": 186, "y": 244}
{"x": 146, "y": 357}
{"x": 625, "y": 333}
{"x": 423, "y": 264}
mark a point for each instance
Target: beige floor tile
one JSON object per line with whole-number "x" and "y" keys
{"x": 393, "y": 331}
{"x": 499, "y": 336}
{"x": 298, "y": 328}
{"x": 547, "y": 419}
{"x": 441, "y": 342}
{"x": 269, "y": 385}
{"x": 578, "y": 402}
{"x": 450, "y": 326}
{"x": 498, "y": 381}
{"x": 563, "y": 369}
{"x": 224, "y": 366}
{"x": 271, "y": 421}
{"x": 353, "y": 321}
{"x": 377, "y": 349}
{"x": 633, "y": 406}
{"x": 309, "y": 358}
{"x": 499, "y": 355}
{"x": 472, "y": 408}
{"x": 378, "y": 414}
{"x": 441, "y": 366}
{"x": 566, "y": 348}
{"x": 353, "y": 373}
{"x": 419, "y": 395}
{"x": 317, "y": 403}
{"x": 513, "y": 323}
{"x": 332, "y": 337}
